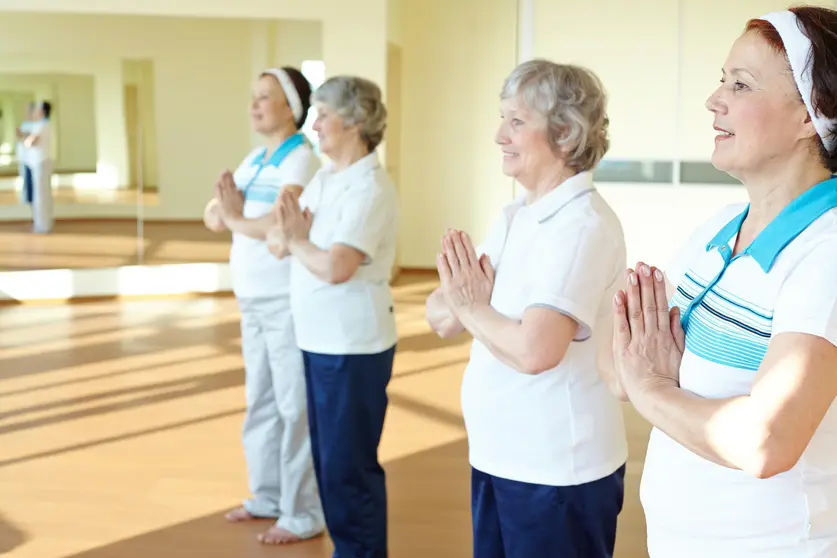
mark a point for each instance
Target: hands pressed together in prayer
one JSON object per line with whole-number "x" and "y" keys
{"x": 467, "y": 280}
{"x": 292, "y": 225}
{"x": 648, "y": 339}
{"x": 230, "y": 198}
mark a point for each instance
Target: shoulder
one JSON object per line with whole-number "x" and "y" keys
{"x": 251, "y": 156}
{"x": 303, "y": 155}
{"x": 374, "y": 182}
{"x": 588, "y": 220}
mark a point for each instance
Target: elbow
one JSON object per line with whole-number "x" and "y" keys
{"x": 773, "y": 457}
{"x": 338, "y": 275}
{"x": 537, "y": 362}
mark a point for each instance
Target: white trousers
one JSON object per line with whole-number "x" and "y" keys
{"x": 42, "y": 215}
{"x": 277, "y": 445}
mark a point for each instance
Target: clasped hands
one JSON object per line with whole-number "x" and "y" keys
{"x": 230, "y": 198}
{"x": 648, "y": 339}
{"x": 292, "y": 224}
{"x": 467, "y": 280}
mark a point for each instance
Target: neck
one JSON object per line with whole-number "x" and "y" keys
{"x": 349, "y": 155}
{"x": 770, "y": 193}
{"x": 277, "y": 138}
{"x": 546, "y": 181}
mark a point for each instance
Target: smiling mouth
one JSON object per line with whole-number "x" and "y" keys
{"x": 723, "y": 133}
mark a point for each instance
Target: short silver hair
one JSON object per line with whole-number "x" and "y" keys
{"x": 357, "y": 101}
{"x": 574, "y": 104}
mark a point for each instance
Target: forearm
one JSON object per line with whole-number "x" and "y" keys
{"x": 254, "y": 228}
{"x": 724, "y": 431}
{"x": 503, "y": 336}
{"x": 439, "y": 316}
{"x": 316, "y": 260}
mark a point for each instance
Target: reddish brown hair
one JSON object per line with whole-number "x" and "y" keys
{"x": 820, "y": 25}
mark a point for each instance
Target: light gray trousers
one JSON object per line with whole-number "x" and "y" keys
{"x": 42, "y": 213}
{"x": 277, "y": 445}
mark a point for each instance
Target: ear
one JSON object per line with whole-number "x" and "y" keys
{"x": 807, "y": 131}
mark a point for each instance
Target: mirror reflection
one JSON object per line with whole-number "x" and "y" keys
{"x": 114, "y": 129}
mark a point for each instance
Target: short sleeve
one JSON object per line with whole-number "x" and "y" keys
{"x": 573, "y": 272}
{"x": 299, "y": 168}
{"x": 807, "y": 300}
{"x": 365, "y": 217}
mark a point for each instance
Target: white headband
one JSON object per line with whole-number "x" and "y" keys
{"x": 800, "y": 56}
{"x": 291, "y": 94}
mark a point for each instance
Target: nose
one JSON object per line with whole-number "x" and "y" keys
{"x": 502, "y": 136}
{"x": 316, "y": 125}
{"x": 715, "y": 103}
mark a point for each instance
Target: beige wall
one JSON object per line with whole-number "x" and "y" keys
{"x": 454, "y": 60}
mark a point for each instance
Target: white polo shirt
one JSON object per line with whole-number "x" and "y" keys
{"x": 255, "y": 271}
{"x": 695, "y": 508}
{"x": 41, "y": 152}
{"x": 357, "y": 207}
{"x": 562, "y": 427}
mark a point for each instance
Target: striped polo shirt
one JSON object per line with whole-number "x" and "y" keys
{"x": 731, "y": 306}
{"x": 255, "y": 271}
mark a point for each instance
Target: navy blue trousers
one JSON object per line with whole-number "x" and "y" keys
{"x": 347, "y": 402}
{"x": 28, "y": 185}
{"x": 520, "y": 520}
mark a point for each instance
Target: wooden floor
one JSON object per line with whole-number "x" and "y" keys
{"x": 109, "y": 243}
{"x": 120, "y": 425}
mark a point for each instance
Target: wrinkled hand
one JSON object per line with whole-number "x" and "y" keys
{"x": 294, "y": 223}
{"x": 230, "y": 198}
{"x": 648, "y": 340}
{"x": 467, "y": 281}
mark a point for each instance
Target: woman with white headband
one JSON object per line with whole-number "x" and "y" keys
{"x": 739, "y": 379}
{"x": 275, "y": 434}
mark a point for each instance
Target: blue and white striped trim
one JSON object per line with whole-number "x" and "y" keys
{"x": 723, "y": 328}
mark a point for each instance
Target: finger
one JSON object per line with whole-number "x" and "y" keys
{"x": 459, "y": 250}
{"x": 473, "y": 260}
{"x": 661, "y": 300}
{"x": 444, "y": 268}
{"x": 677, "y": 329}
{"x": 646, "y": 293}
{"x": 621, "y": 325}
{"x": 487, "y": 268}
{"x": 634, "y": 304}
{"x": 450, "y": 255}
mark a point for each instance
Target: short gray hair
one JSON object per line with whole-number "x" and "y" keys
{"x": 574, "y": 104}
{"x": 357, "y": 101}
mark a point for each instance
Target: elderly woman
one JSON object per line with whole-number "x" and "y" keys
{"x": 275, "y": 431}
{"x": 341, "y": 237}
{"x": 546, "y": 437}
{"x": 739, "y": 380}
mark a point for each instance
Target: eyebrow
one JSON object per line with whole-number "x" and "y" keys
{"x": 739, "y": 71}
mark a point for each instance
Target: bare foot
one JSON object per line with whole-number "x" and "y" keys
{"x": 239, "y": 514}
{"x": 277, "y": 535}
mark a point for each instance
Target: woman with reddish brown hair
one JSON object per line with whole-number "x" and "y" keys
{"x": 739, "y": 378}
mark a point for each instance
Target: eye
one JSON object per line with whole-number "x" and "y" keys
{"x": 738, "y": 86}
{"x": 517, "y": 122}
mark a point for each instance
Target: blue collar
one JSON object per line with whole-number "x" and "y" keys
{"x": 790, "y": 222}
{"x": 291, "y": 143}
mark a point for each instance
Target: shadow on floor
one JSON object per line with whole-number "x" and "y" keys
{"x": 429, "y": 510}
{"x": 10, "y": 536}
